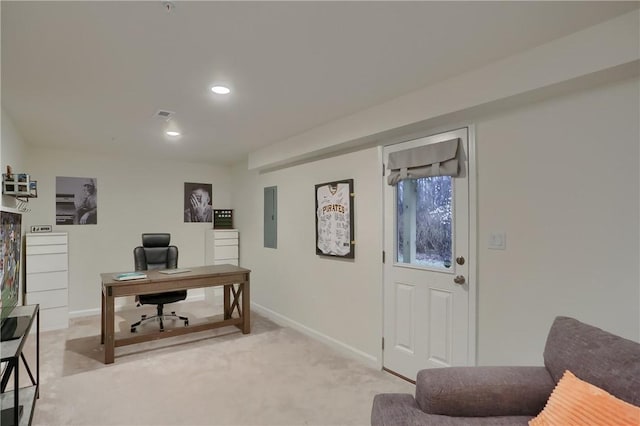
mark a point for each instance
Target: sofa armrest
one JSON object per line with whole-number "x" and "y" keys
{"x": 483, "y": 391}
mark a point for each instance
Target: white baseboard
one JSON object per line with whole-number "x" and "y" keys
{"x": 124, "y": 304}
{"x": 341, "y": 347}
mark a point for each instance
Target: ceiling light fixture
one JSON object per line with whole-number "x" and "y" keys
{"x": 221, "y": 90}
{"x": 172, "y": 130}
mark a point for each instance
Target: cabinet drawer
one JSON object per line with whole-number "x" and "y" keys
{"x": 46, "y": 249}
{"x": 229, "y": 242}
{"x": 44, "y": 240}
{"x": 47, "y": 281}
{"x": 47, "y": 263}
{"x": 48, "y": 299}
{"x": 226, "y": 252}
{"x": 223, "y": 235}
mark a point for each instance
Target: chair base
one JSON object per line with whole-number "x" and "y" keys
{"x": 161, "y": 316}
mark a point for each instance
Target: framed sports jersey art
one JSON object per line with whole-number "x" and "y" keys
{"x": 334, "y": 219}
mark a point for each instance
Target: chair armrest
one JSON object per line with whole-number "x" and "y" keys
{"x": 483, "y": 391}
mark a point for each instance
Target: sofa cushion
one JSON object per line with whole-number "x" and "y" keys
{"x": 574, "y": 401}
{"x": 483, "y": 391}
{"x": 397, "y": 409}
{"x": 603, "y": 359}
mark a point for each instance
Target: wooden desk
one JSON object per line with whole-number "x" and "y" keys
{"x": 236, "y": 300}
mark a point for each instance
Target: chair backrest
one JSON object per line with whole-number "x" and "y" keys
{"x": 155, "y": 253}
{"x": 596, "y": 356}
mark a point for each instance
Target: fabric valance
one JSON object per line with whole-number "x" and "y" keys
{"x": 436, "y": 159}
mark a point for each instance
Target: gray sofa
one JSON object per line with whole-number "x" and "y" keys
{"x": 514, "y": 395}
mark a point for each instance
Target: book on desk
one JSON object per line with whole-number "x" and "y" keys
{"x": 174, "y": 271}
{"x": 129, "y": 276}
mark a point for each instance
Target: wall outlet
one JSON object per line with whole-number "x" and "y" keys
{"x": 498, "y": 240}
{"x": 41, "y": 228}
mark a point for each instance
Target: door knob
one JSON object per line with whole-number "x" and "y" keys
{"x": 459, "y": 279}
{"x": 460, "y": 260}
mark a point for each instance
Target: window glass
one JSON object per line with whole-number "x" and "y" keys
{"x": 424, "y": 226}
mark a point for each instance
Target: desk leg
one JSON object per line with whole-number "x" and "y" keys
{"x": 246, "y": 309}
{"x": 227, "y": 301}
{"x": 102, "y": 317}
{"x": 109, "y": 320}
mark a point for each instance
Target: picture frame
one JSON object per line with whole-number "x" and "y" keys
{"x": 198, "y": 202}
{"x": 335, "y": 219}
{"x": 76, "y": 200}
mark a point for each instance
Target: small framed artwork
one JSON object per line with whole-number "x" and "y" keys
{"x": 197, "y": 202}
{"x": 334, "y": 219}
{"x": 76, "y": 201}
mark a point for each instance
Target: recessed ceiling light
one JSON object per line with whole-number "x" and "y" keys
{"x": 221, "y": 90}
{"x": 172, "y": 133}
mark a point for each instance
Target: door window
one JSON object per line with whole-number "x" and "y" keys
{"x": 424, "y": 222}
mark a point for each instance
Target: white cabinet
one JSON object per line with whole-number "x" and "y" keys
{"x": 47, "y": 278}
{"x": 221, "y": 246}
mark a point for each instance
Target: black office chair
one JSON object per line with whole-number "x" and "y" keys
{"x": 156, "y": 253}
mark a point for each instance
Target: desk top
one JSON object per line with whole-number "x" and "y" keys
{"x": 155, "y": 276}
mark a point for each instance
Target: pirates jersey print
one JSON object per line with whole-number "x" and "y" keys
{"x": 334, "y": 219}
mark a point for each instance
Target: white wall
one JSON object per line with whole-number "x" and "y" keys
{"x": 335, "y": 299}
{"x": 560, "y": 177}
{"x": 134, "y": 196}
{"x": 12, "y": 152}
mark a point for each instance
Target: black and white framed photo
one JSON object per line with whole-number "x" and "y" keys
{"x": 76, "y": 201}
{"x": 334, "y": 219}
{"x": 198, "y": 202}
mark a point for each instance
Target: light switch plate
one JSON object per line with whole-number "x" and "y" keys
{"x": 41, "y": 228}
{"x": 498, "y": 240}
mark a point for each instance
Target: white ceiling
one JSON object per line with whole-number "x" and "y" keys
{"x": 89, "y": 76}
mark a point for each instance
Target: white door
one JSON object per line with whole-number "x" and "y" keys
{"x": 426, "y": 270}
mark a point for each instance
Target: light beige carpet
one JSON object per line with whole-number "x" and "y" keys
{"x": 273, "y": 376}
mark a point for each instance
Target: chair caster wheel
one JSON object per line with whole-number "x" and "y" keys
{"x": 133, "y": 329}
{"x": 173, "y": 312}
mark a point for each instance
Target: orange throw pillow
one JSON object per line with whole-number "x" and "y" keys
{"x": 576, "y": 402}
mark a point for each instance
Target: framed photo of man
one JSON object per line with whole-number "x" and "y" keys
{"x": 198, "y": 202}
{"x": 76, "y": 201}
{"x": 334, "y": 219}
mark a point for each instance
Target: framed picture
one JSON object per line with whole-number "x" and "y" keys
{"x": 76, "y": 201}
{"x": 334, "y": 219}
{"x": 198, "y": 202}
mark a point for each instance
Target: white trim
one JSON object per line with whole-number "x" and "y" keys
{"x": 84, "y": 313}
{"x": 341, "y": 347}
{"x": 383, "y": 182}
{"x": 472, "y": 342}
{"x": 473, "y": 247}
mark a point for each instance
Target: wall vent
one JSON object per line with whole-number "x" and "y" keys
{"x": 164, "y": 114}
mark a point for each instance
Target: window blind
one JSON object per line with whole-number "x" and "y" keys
{"x": 436, "y": 159}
